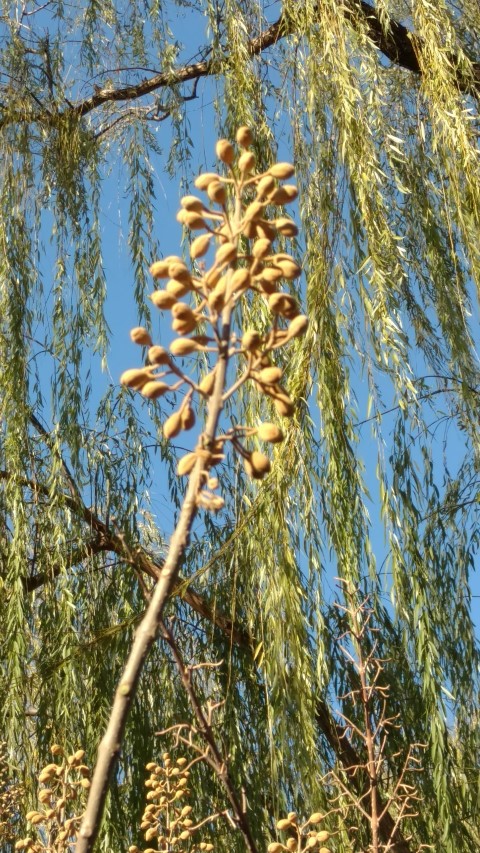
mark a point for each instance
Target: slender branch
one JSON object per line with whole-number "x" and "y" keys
{"x": 217, "y": 761}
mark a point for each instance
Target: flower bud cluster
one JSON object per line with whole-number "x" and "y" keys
{"x": 239, "y": 237}
{"x": 167, "y": 821}
{"x": 61, "y": 804}
{"x": 301, "y": 836}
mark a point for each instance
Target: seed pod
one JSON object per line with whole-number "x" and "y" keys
{"x": 207, "y": 384}
{"x": 246, "y": 162}
{"x": 311, "y": 843}
{"x": 163, "y": 299}
{"x": 283, "y": 304}
{"x": 200, "y": 246}
{"x": 56, "y": 749}
{"x": 284, "y": 823}
{"x": 216, "y": 192}
{"x": 177, "y": 288}
{"x": 225, "y": 254}
{"x": 173, "y": 425}
{"x": 158, "y": 355}
{"x": 225, "y": 151}
{"x": 316, "y": 817}
{"x": 261, "y": 248}
{"x": 139, "y": 335}
{"x": 184, "y": 346}
{"x": 251, "y": 340}
{"x": 272, "y": 433}
{"x": 297, "y": 327}
{"x": 244, "y": 136}
{"x": 136, "y": 377}
{"x": 179, "y": 270}
{"x": 241, "y": 279}
{"x": 191, "y": 202}
{"x": 204, "y": 180}
{"x": 45, "y": 795}
{"x": 265, "y": 186}
{"x": 159, "y": 269}
{"x": 188, "y": 417}
{"x": 292, "y": 844}
{"x": 253, "y": 211}
{"x": 281, "y": 170}
{"x": 270, "y": 375}
{"x": 186, "y": 464}
{"x": 286, "y": 227}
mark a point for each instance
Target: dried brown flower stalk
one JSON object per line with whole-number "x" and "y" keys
{"x": 236, "y": 211}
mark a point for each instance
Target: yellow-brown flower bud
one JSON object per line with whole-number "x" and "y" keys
{"x": 244, "y": 136}
{"x": 281, "y": 170}
{"x": 225, "y": 151}
{"x": 173, "y": 425}
{"x": 139, "y": 335}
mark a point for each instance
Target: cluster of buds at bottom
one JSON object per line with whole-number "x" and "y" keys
{"x": 167, "y": 820}
{"x": 61, "y": 803}
{"x": 302, "y": 837}
{"x": 233, "y": 261}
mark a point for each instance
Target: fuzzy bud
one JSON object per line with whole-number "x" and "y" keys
{"x": 158, "y": 355}
{"x": 241, "y": 279}
{"x": 297, "y": 327}
{"x": 272, "y": 433}
{"x": 207, "y": 384}
{"x": 204, "y": 180}
{"x": 173, "y": 425}
{"x": 281, "y": 170}
{"x": 225, "y": 151}
{"x": 200, "y": 246}
{"x": 270, "y": 375}
{"x": 283, "y": 304}
{"x": 226, "y": 254}
{"x": 323, "y": 835}
{"x": 140, "y": 336}
{"x": 191, "y": 202}
{"x": 216, "y": 192}
{"x": 286, "y": 227}
{"x": 265, "y": 186}
{"x": 284, "y": 823}
{"x": 184, "y": 346}
{"x": 244, "y": 136}
{"x": 136, "y": 377}
{"x": 179, "y": 270}
{"x": 186, "y": 464}
{"x": 163, "y": 299}
{"x": 177, "y": 288}
{"x": 260, "y": 465}
{"x": 159, "y": 269}
{"x": 246, "y": 162}
{"x": 187, "y": 417}
{"x": 261, "y": 248}
{"x": 251, "y": 340}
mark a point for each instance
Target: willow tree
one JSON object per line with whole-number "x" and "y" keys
{"x": 377, "y": 483}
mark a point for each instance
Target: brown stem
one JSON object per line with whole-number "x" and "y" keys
{"x": 217, "y": 761}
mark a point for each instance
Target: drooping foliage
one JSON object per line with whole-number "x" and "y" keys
{"x": 106, "y": 112}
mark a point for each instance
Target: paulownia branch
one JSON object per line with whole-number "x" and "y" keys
{"x": 215, "y": 293}
{"x": 215, "y": 758}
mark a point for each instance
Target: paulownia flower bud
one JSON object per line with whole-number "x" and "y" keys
{"x": 251, "y": 340}
{"x": 244, "y": 136}
{"x": 260, "y": 465}
{"x": 270, "y": 432}
{"x": 271, "y": 274}
{"x": 182, "y": 311}
{"x": 136, "y": 377}
{"x": 187, "y": 417}
{"x": 173, "y": 425}
{"x": 275, "y": 847}
{"x": 290, "y": 269}
{"x": 226, "y": 254}
{"x": 204, "y": 180}
{"x": 191, "y": 202}
{"x": 139, "y": 335}
{"x": 241, "y": 279}
{"x": 207, "y": 384}
{"x": 177, "y": 288}
{"x": 297, "y": 327}
{"x": 263, "y": 229}
{"x": 186, "y": 464}
{"x": 283, "y": 304}
{"x": 179, "y": 270}
{"x": 311, "y": 843}
{"x": 216, "y": 192}
{"x": 292, "y": 844}
{"x": 184, "y": 327}
{"x": 56, "y": 749}
{"x": 211, "y": 278}
{"x": 216, "y": 300}
{"x": 281, "y": 170}
{"x": 159, "y": 269}
{"x": 286, "y": 227}
{"x": 270, "y": 375}
{"x": 284, "y": 823}
{"x": 246, "y": 162}
{"x": 283, "y": 404}
{"x": 265, "y": 185}
{"x": 261, "y": 248}
{"x": 158, "y": 355}
{"x": 200, "y": 246}
{"x": 163, "y": 299}
{"x": 253, "y": 211}
{"x": 184, "y": 346}
{"x": 323, "y": 835}
{"x": 225, "y": 151}
{"x": 316, "y": 817}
